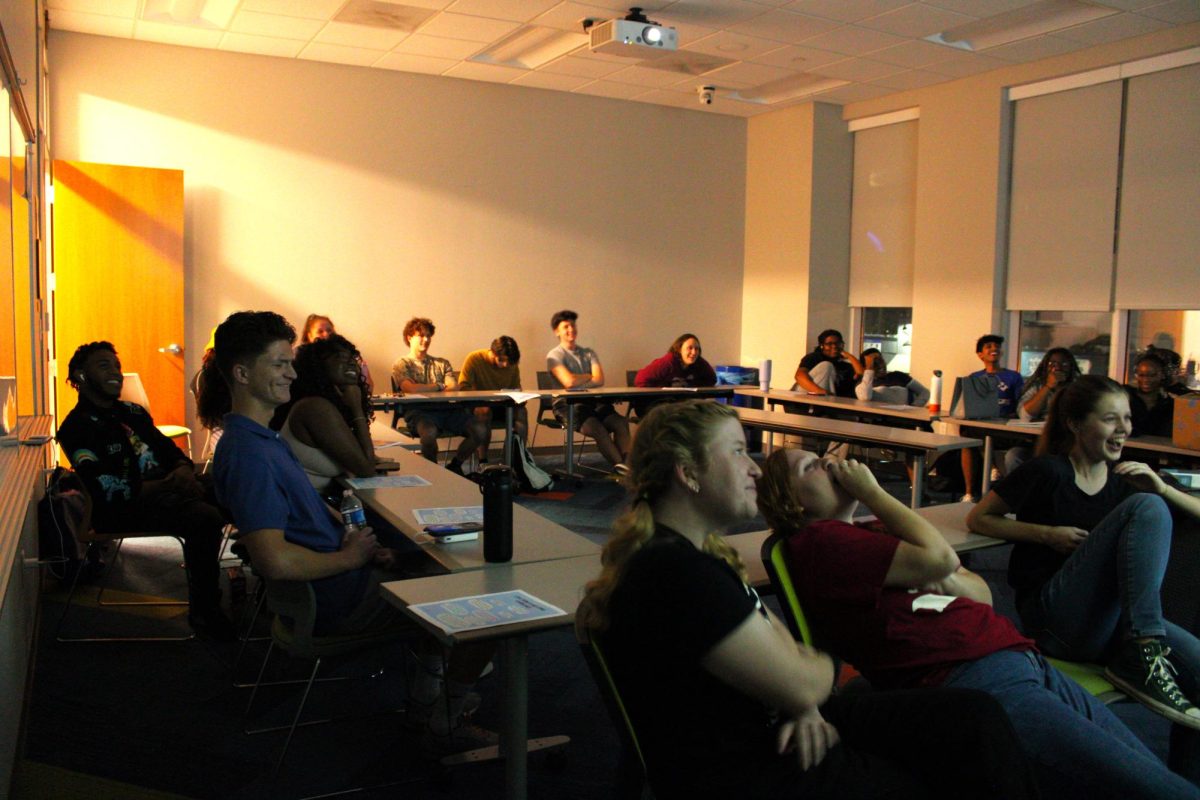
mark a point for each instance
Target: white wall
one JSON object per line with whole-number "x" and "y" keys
{"x": 373, "y": 196}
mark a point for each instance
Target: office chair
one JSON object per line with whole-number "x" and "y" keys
{"x": 132, "y": 391}
{"x": 547, "y": 382}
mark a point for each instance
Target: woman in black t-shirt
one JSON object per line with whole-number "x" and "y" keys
{"x": 1092, "y": 541}
{"x": 725, "y": 703}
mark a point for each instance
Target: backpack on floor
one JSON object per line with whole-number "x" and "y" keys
{"x": 527, "y": 476}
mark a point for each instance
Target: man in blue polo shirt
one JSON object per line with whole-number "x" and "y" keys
{"x": 292, "y": 535}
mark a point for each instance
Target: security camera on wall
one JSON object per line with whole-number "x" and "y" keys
{"x": 705, "y": 94}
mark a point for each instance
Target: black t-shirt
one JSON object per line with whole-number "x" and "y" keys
{"x": 1043, "y": 491}
{"x": 702, "y": 737}
{"x": 1155, "y": 421}
{"x": 844, "y": 386}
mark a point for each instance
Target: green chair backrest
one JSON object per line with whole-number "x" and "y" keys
{"x": 774, "y": 558}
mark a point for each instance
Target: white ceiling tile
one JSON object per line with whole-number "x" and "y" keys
{"x": 1110, "y": 29}
{"x": 570, "y": 16}
{"x": 108, "y": 8}
{"x": 744, "y": 74}
{"x": 432, "y": 5}
{"x": 688, "y": 102}
{"x": 911, "y": 54}
{"x": 368, "y": 37}
{"x": 856, "y": 69}
{"x": 979, "y": 8}
{"x": 798, "y": 57}
{"x": 167, "y": 33}
{"x": 1034, "y": 49}
{"x": 484, "y": 72}
{"x": 97, "y": 24}
{"x": 1131, "y": 5}
{"x": 959, "y": 64}
{"x": 714, "y": 13}
{"x": 421, "y": 45}
{"x": 547, "y": 80}
{"x": 733, "y": 45}
{"x": 646, "y": 78}
{"x": 260, "y": 45}
{"x": 910, "y": 79}
{"x": 339, "y": 54}
{"x": 582, "y": 67}
{"x": 688, "y": 62}
{"x": 407, "y": 62}
{"x": 309, "y": 9}
{"x": 620, "y": 8}
{"x": 784, "y": 26}
{"x": 516, "y": 10}
{"x": 1179, "y": 12}
{"x": 853, "y": 40}
{"x": 462, "y": 26}
{"x": 845, "y": 10}
{"x": 686, "y": 32}
{"x": 916, "y": 20}
{"x": 851, "y": 93}
{"x": 275, "y": 25}
{"x": 617, "y": 91}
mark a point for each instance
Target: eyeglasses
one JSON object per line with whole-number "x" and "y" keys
{"x": 833, "y": 343}
{"x": 1063, "y": 364}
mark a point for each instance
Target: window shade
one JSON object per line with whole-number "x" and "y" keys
{"x": 882, "y": 215}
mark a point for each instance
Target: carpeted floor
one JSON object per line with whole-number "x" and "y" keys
{"x": 166, "y": 719}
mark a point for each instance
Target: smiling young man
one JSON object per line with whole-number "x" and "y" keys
{"x": 495, "y": 369}
{"x": 829, "y": 369}
{"x": 1009, "y": 383}
{"x": 292, "y": 535}
{"x": 139, "y": 480}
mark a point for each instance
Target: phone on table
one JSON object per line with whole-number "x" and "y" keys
{"x": 455, "y": 531}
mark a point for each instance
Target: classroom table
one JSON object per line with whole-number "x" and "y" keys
{"x": 535, "y": 538}
{"x": 617, "y": 394}
{"x": 842, "y": 406}
{"x": 918, "y": 444}
{"x": 559, "y": 583}
{"x": 949, "y": 518}
{"x": 473, "y": 398}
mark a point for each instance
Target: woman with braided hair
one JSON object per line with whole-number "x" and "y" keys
{"x": 725, "y": 702}
{"x": 327, "y": 422}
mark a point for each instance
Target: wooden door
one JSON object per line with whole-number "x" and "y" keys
{"x": 118, "y": 262}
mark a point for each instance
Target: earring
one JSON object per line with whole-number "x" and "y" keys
{"x": 693, "y": 487}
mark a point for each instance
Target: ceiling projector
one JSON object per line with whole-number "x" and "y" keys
{"x": 632, "y": 38}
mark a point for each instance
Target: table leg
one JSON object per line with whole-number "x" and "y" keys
{"x": 509, "y": 411}
{"x": 569, "y": 446}
{"x": 986, "y": 477}
{"x": 514, "y": 670}
{"x": 918, "y": 481}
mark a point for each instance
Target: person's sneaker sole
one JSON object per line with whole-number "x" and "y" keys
{"x": 1131, "y": 689}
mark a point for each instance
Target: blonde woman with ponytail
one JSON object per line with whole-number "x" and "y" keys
{"x": 725, "y": 702}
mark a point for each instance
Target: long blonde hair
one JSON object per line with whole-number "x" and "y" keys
{"x": 675, "y": 434}
{"x": 776, "y": 500}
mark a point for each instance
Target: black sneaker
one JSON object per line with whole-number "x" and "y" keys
{"x": 455, "y": 466}
{"x": 1142, "y": 671}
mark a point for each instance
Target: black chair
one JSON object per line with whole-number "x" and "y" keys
{"x": 545, "y": 416}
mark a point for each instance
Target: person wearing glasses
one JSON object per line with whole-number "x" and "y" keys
{"x": 1057, "y": 369}
{"x": 828, "y": 369}
{"x": 1152, "y": 407}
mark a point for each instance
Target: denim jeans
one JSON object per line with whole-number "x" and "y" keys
{"x": 1109, "y": 591}
{"x": 1077, "y": 746}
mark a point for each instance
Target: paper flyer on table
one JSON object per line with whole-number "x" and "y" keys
{"x": 448, "y": 515}
{"x": 485, "y": 611}
{"x": 387, "y": 482}
{"x": 521, "y": 398}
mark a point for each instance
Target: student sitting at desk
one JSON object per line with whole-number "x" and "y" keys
{"x": 496, "y": 369}
{"x": 1152, "y": 408}
{"x": 422, "y": 373}
{"x": 1056, "y": 369}
{"x": 577, "y": 367}
{"x": 892, "y": 599}
{"x": 990, "y": 350}
{"x": 898, "y": 388}
{"x": 681, "y": 366}
{"x": 828, "y": 369}
{"x": 327, "y": 422}
{"x": 1092, "y": 538}
{"x": 725, "y": 703}
{"x": 292, "y": 535}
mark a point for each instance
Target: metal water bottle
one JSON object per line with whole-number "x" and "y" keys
{"x": 496, "y": 485}
{"x": 353, "y": 516}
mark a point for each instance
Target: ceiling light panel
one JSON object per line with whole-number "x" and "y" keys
{"x": 531, "y": 47}
{"x": 1035, "y": 19}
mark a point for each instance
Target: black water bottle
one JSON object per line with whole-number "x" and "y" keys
{"x": 496, "y": 484}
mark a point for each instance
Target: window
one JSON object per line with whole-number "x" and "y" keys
{"x": 890, "y": 330}
{"x": 1087, "y": 334}
{"x": 1171, "y": 330}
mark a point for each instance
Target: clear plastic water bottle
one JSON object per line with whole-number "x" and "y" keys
{"x": 353, "y": 516}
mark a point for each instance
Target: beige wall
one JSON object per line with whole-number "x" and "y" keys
{"x": 798, "y": 179}
{"x": 958, "y": 275}
{"x": 372, "y": 196}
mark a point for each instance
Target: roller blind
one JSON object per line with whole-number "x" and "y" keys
{"x": 1064, "y": 199}
{"x": 1158, "y": 254}
{"x": 882, "y": 215}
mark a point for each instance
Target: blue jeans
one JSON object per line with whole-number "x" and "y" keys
{"x": 1077, "y": 746}
{"x": 1108, "y": 591}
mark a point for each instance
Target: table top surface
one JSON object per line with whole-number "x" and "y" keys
{"x": 535, "y": 538}
{"x": 847, "y": 405}
{"x": 558, "y": 582}
{"x": 904, "y": 439}
{"x": 1153, "y": 444}
{"x": 478, "y": 397}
